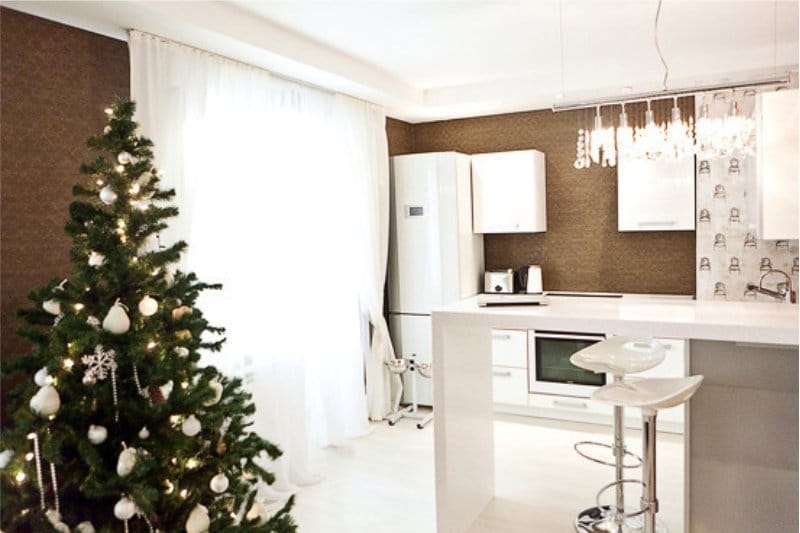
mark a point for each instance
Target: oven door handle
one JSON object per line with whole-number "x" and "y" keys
{"x": 569, "y": 336}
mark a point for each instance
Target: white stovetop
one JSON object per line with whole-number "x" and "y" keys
{"x": 661, "y": 316}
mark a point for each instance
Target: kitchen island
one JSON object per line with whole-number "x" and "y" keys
{"x": 742, "y": 432}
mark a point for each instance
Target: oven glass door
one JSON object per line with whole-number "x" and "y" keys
{"x": 553, "y": 373}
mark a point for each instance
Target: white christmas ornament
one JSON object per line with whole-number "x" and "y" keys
{"x": 124, "y": 509}
{"x": 46, "y": 402}
{"x": 107, "y": 130}
{"x": 85, "y": 527}
{"x": 219, "y": 483}
{"x": 117, "y": 321}
{"x": 258, "y": 512}
{"x": 42, "y": 378}
{"x": 198, "y": 520}
{"x": 166, "y": 389}
{"x": 97, "y": 434}
{"x": 124, "y": 158}
{"x": 5, "y": 458}
{"x": 107, "y": 195}
{"x": 181, "y": 351}
{"x": 93, "y": 321}
{"x": 191, "y": 426}
{"x": 216, "y": 386}
{"x": 148, "y": 306}
{"x": 99, "y": 364}
{"x": 178, "y": 312}
{"x": 52, "y": 307}
{"x": 96, "y": 259}
{"x": 143, "y": 179}
{"x": 126, "y": 462}
{"x": 144, "y": 433}
{"x": 54, "y": 517}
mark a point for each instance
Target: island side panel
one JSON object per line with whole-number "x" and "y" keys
{"x": 744, "y": 438}
{"x": 463, "y": 423}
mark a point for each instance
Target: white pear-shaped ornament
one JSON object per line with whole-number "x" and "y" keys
{"x": 126, "y": 462}
{"x": 124, "y": 509}
{"x": 215, "y": 386}
{"x": 117, "y": 321}
{"x": 166, "y": 389}
{"x": 144, "y": 433}
{"x": 191, "y": 426}
{"x": 258, "y": 512}
{"x": 5, "y": 458}
{"x": 42, "y": 378}
{"x": 107, "y": 195}
{"x": 97, "y": 434}
{"x": 198, "y": 520}
{"x": 148, "y": 306}
{"x": 52, "y": 307}
{"x": 85, "y": 527}
{"x": 96, "y": 259}
{"x": 219, "y": 483}
{"x": 46, "y": 402}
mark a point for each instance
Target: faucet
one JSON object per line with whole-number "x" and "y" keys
{"x": 783, "y": 292}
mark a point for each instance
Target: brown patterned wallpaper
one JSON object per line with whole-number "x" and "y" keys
{"x": 400, "y": 136}
{"x": 582, "y": 249}
{"x": 55, "y": 81}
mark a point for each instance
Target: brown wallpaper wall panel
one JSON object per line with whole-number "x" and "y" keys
{"x": 400, "y": 136}
{"x": 55, "y": 81}
{"x": 582, "y": 249}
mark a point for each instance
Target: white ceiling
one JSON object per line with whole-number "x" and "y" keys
{"x": 426, "y": 60}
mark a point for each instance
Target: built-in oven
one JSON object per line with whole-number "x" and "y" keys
{"x": 549, "y": 367}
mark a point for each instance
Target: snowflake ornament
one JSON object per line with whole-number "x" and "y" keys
{"x": 99, "y": 364}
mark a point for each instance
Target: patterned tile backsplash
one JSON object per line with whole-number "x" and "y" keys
{"x": 729, "y": 255}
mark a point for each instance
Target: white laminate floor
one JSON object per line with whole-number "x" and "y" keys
{"x": 384, "y": 483}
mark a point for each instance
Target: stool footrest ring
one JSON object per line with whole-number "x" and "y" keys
{"x": 613, "y": 484}
{"x": 578, "y": 445}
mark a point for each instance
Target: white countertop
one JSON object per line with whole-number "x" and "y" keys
{"x": 654, "y": 316}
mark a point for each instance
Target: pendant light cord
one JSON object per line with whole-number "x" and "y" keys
{"x": 658, "y": 47}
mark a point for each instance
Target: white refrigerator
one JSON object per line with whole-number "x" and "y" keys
{"x": 434, "y": 257}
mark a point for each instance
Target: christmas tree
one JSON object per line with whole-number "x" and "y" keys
{"x": 114, "y": 424}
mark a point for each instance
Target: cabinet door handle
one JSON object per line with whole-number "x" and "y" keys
{"x": 657, "y": 223}
{"x": 501, "y": 336}
{"x": 502, "y": 373}
{"x": 568, "y": 403}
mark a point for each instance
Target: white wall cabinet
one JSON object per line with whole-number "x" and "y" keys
{"x": 777, "y": 164}
{"x": 655, "y": 195}
{"x": 508, "y": 192}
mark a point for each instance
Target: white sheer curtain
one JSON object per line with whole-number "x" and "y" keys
{"x": 283, "y": 191}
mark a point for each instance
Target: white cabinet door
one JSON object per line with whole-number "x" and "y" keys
{"x": 777, "y": 176}
{"x": 508, "y": 192}
{"x": 510, "y": 385}
{"x": 510, "y": 348}
{"x": 412, "y": 339}
{"x": 655, "y": 195}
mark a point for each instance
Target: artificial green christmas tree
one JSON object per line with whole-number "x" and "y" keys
{"x": 114, "y": 425}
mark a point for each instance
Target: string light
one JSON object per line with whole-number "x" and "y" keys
{"x": 120, "y": 168}
{"x": 29, "y": 456}
{"x": 184, "y": 385}
{"x": 100, "y": 183}
{"x": 20, "y": 477}
{"x": 151, "y": 345}
{"x": 184, "y": 493}
{"x": 169, "y": 487}
{"x": 68, "y": 364}
{"x": 192, "y": 463}
{"x": 174, "y": 420}
{"x": 78, "y": 306}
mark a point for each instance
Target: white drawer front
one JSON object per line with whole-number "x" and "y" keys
{"x": 510, "y": 348}
{"x": 510, "y": 385}
{"x": 565, "y": 403}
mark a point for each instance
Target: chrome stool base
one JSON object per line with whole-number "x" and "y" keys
{"x": 599, "y": 520}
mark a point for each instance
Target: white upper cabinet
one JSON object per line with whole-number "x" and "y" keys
{"x": 777, "y": 175}
{"x": 655, "y": 195}
{"x": 508, "y": 192}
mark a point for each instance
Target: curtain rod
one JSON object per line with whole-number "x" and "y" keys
{"x": 655, "y": 95}
{"x": 229, "y": 59}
